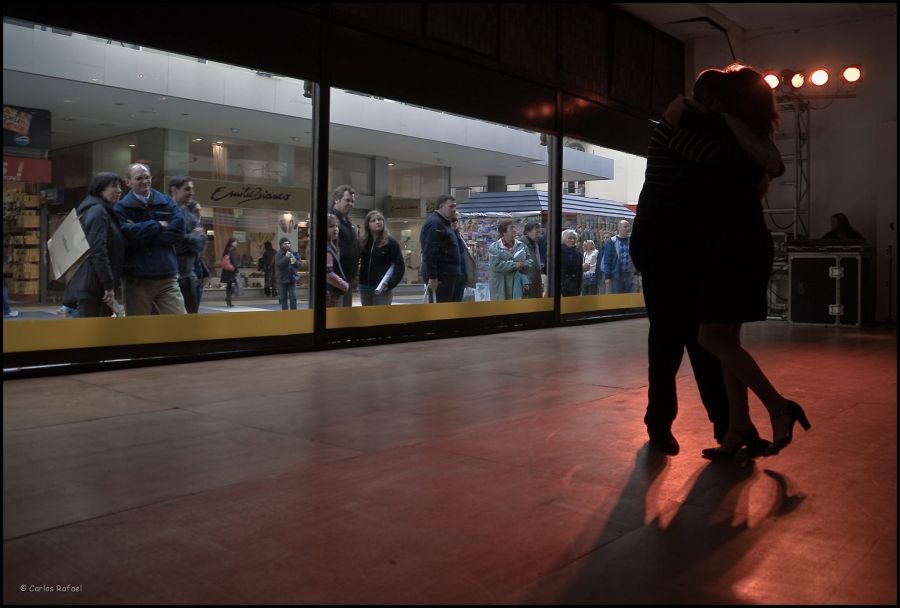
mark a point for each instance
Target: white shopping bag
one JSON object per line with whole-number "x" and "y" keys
{"x": 429, "y": 296}
{"x": 68, "y": 246}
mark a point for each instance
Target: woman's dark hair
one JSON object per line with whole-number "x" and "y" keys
{"x": 747, "y": 96}
{"x": 192, "y": 206}
{"x": 268, "y": 246}
{"x": 708, "y": 85}
{"x": 101, "y": 181}
{"x": 228, "y": 245}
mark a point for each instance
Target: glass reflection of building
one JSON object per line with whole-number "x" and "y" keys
{"x": 245, "y": 136}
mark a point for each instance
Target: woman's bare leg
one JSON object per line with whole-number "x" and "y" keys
{"x": 724, "y": 341}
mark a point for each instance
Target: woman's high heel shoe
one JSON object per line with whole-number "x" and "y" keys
{"x": 794, "y": 413}
{"x": 733, "y": 441}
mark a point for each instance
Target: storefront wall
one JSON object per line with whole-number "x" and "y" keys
{"x": 269, "y": 188}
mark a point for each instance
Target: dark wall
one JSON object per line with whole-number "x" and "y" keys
{"x": 586, "y": 70}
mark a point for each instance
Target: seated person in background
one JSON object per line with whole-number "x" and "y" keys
{"x": 842, "y": 230}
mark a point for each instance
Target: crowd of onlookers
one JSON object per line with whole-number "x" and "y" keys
{"x": 147, "y": 255}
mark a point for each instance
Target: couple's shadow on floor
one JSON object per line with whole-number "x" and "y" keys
{"x": 695, "y": 549}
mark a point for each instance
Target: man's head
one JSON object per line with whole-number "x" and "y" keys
{"x": 343, "y": 199}
{"x": 181, "y": 189}
{"x": 624, "y": 225}
{"x": 284, "y": 243}
{"x": 446, "y": 206}
{"x": 532, "y": 230}
{"x": 138, "y": 178}
{"x": 708, "y": 88}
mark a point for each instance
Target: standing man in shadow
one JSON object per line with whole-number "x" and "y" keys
{"x": 342, "y": 201}
{"x": 443, "y": 260}
{"x": 676, "y": 161}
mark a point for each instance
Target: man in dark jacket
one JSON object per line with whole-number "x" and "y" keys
{"x": 443, "y": 262}
{"x": 152, "y": 225}
{"x": 343, "y": 199}
{"x": 181, "y": 189}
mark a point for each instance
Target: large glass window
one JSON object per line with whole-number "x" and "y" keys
{"x": 419, "y": 234}
{"x": 597, "y": 218}
{"x": 81, "y": 107}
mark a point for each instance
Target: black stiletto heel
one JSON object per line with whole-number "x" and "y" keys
{"x": 796, "y": 414}
{"x": 733, "y": 441}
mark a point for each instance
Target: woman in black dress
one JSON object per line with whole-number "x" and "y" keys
{"x": 734, "y": 284}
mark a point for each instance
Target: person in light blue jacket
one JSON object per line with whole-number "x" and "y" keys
{"x": 509, "y": 263}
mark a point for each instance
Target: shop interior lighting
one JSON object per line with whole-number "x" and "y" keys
{"x": 798, "y": 80}
{"x": 772, "y": 79}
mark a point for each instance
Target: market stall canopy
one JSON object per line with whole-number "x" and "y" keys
{"x": 536, "y": 201}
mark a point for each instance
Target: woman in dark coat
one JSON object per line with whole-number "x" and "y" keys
{"x": 379, "y": 253}
{"x": 100, "y": 275}
{"x": 572, "y": 264}
{"x": 267, "y": 266}
{"x": 229, "y": 277}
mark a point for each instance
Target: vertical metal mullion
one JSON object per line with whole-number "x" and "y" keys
{"x": 319, "y": 206}
{"x": 555, "y": 208}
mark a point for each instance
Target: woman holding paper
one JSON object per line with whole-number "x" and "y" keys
{"x": 96, "y": 280}
{"x": 509, "y": 264}
{"x": 381, "y": 266}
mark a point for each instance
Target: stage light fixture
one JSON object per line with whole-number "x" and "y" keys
{"x": 772, "y": 80}
{"x": 798, "y": 80}
{"x": 851, "y": 73}
{"x": 819, "y": 77}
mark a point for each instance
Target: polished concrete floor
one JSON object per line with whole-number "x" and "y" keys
{"x": 502, "y": 469}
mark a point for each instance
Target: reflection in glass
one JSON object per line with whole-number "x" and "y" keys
{"x": 245, "y": 145}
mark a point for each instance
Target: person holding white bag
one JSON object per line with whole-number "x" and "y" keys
{"x": 381, "y": 265}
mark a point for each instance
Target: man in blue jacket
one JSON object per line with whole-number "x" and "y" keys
{"x": 152, "y": 225}
{"x": 616, "y": 264}
{"x": 181, "y": 190}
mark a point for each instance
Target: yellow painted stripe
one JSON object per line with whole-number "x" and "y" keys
{"x": 54, "y": 334}
{"x": 614, "y": 301}
{"x": 369, "y": 316}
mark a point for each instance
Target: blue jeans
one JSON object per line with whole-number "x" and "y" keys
{"x": 286, "y": 291}
{"x": 622, "y": 283}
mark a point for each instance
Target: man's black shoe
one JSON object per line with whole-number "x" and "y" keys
{"x": 665, "y": 443}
